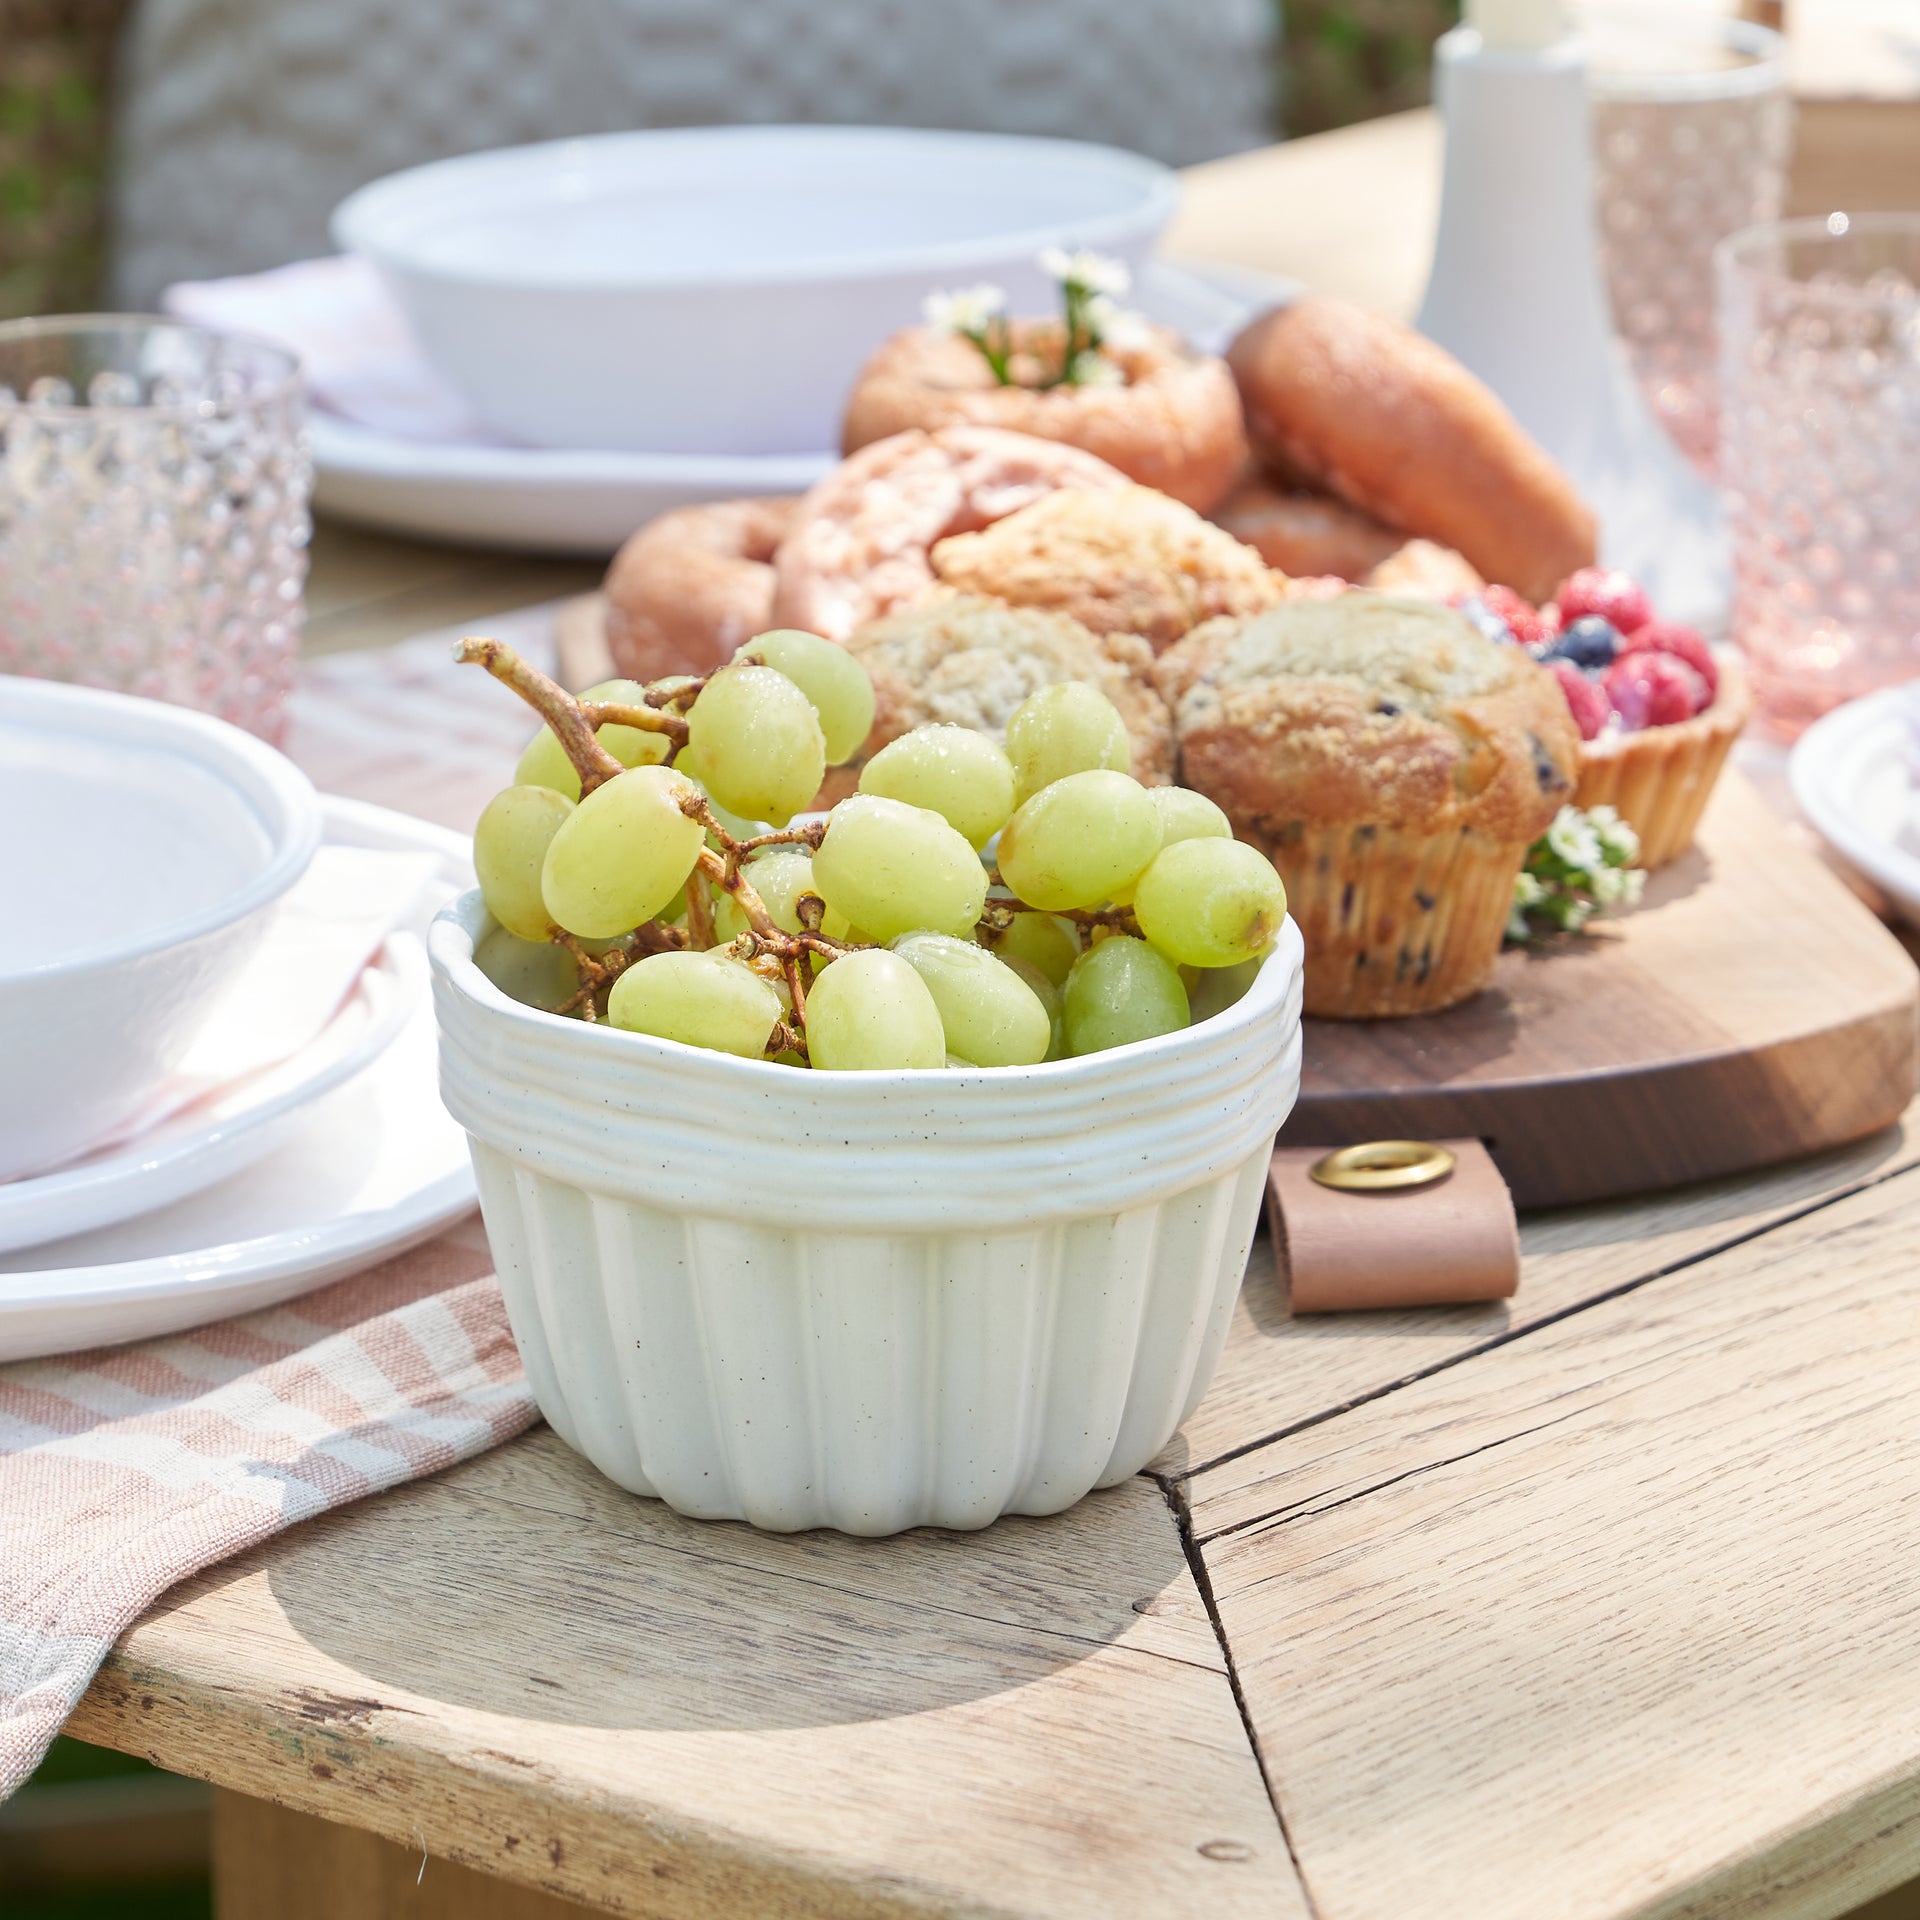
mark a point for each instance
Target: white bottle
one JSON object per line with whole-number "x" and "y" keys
{"x": 1516, "y": 296}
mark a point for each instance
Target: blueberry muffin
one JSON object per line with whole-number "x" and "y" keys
{"x": 1395, "y": 765}
{"x": 969, "y": 663}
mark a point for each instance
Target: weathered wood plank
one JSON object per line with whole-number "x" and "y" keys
{"x": 1619, "y": 1619}
{"x": 519, "y": 1668}
{"x": 1278, "y": 1373}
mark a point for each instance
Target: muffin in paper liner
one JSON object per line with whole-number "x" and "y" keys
{"x": 1659, "y": 780}
{"x": 1395, "y": 764}
{"x": 1395, "y": 922}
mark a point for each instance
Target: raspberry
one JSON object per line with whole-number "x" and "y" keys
{"x": 1605, "y": 591}
{"x": 1668, "y": 636}
{"x": 1586, "y": 699}
{"x": 1524, "y": 620}
{"x": 1653, "y": 689}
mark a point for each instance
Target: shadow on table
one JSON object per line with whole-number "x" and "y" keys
{"x": 523, "y": 1584}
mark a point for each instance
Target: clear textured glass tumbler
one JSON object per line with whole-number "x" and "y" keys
{"x": 1820, "y": 456}
{"x": 154, "y": 486}
{"x": 1692, "y": 130}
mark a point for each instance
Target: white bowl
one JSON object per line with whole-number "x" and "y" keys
{"x": 714, "y": 290}
{"x": 868, "y": 1301}
{"x": 143, "y": 847}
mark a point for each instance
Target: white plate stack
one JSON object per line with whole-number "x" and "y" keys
{"x": 217, "y": 1064}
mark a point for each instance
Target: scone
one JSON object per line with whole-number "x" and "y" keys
{"x": 970, "y": 663}
{"x": 1127, "y": 561}
{"x": 1395, "y": 765}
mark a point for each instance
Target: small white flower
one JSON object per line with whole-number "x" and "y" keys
{"x": 1528, "y": 890}
{"x": 1633, "y": 883}
{"x": 1518, "y": 932}
{"x": 1573, "y": 840}
{"x": 1117, "y": 326}
{"x": 1617, "y": 839}
{"x": 967, "y": 310}
{"x": 1096, "y": 272}
{"x": 1609, "y": 886}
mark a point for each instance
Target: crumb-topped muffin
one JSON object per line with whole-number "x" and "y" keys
{"x": 969, "y": 663}
{"x": 1395, "y": 765}
{"x": 1126, "y": 561}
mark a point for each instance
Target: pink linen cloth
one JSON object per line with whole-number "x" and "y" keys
{"x": 126, "y": 1469}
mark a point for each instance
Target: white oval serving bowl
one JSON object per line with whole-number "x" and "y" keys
{"x": 144, "y": 848}
{"x": 867, "y": 1301}
{"x": 715, "y": 290}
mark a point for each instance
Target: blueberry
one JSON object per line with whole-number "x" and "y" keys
{"x": 1484, "y": 618}
{"x": 1590, "y": 643}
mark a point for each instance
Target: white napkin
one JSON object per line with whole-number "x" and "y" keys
{"x": 358, "y": 352}
{"x": 325, "y": 933}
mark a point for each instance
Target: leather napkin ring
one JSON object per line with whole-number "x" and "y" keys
{"x": 1400, "y": 1238}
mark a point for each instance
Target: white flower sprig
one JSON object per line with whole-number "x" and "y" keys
{"x": 1581, "y": 866}
{"x": 1090, "y": 286}
{"x": 979, "y": 314}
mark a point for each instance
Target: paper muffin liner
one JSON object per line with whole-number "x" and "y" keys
{"x": 1659, "y": 780}
{"x": 1396, "y": 922}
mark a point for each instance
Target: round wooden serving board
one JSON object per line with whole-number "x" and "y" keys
{"x": 1749, "y": 1011}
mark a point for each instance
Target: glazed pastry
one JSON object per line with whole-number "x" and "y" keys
{"x": 689, "y": 587}
{"x": 1126, "y": 562}
{"x": 858, "y": 545}
{"x": 1171, "y": 421}
{"x": 970, "y": 663}
{"x": 1395, "y": 764}
{"x": 1340, "y": 399}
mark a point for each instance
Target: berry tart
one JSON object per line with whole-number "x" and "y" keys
{"x": 1658, "y": 710}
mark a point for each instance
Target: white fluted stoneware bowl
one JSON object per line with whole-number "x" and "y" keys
{"x": 868, "y": 1301}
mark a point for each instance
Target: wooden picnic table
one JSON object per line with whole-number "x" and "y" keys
{"x": 1596, "y": 1603}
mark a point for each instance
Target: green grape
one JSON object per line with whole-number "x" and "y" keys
{"x": 1210, "y": 903}
{"x": 896, "y": 869}
{"x": 1215, "y": 989}
{"x": 534, "y": 972}
{"x": 1048, "y": 995}
{"x": 545, "y": 762}
{"x": 700, "y": 999}
{"x": 1066, "y": 728}
{"x": 1079, "y": 841}
{"x": 621, "y": 855}
{"x": 870, "y": 1011}
{"x": 831, "y": 678}
{"x": 1186, "y": 815}
{"x": 779, "y": 876}
{"x": 990, "y": 1014}
{"x": 1044, "y": 943}
{"x": 510, "y": 842}
{"x": 953, "y": 771}
{"x": 754, "y": 743}
{"x": 1121, "y": 991}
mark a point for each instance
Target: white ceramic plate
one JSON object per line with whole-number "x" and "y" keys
{"x": 1856, "y": 776}
{"x": 556, "y": 502}
{"x": 217, "y": 1138}
{"x": 370, "y": 1169}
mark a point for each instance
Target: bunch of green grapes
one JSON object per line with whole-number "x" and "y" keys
{"x": 634, "y": 882}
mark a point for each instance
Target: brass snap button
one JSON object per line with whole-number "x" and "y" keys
{"x": 1383, "y": 1166}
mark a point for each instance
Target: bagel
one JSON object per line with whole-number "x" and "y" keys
{"x": 859, "y": 541}
{"x": 1305, "y": 533}
{"x": 1172, "y": 422}
{"x": 1346, "y": 401}
{"x": 691, "y": 586}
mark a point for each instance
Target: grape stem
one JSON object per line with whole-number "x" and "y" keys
{"x": 554, "y": 704}
{"x": 623, "y": 713}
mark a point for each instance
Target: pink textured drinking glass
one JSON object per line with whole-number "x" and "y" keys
{"x": 154, "y": 487}
{"x": 1820, "y": 456}
{"x": 1692, "y": 130}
